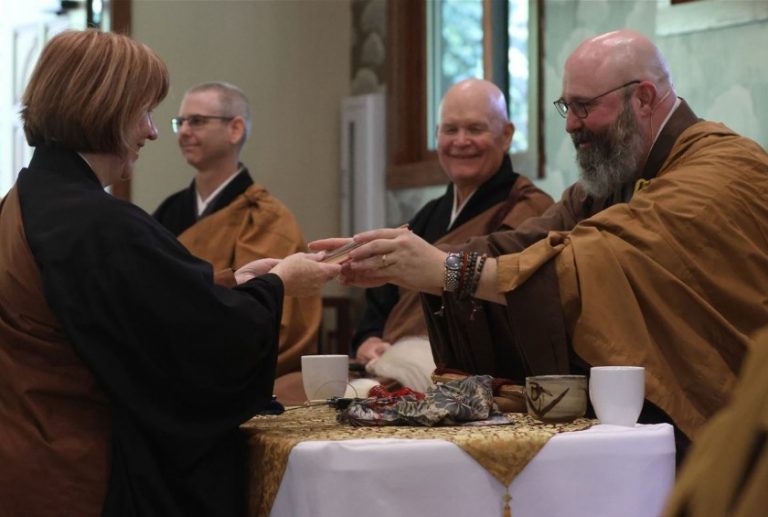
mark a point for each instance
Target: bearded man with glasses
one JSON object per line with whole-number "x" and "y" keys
{"x": 225, "y": 218}
{"x": 656, "y": 257}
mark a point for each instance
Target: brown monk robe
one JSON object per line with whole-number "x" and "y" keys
{"x": 257, "y": 225}
{"x": 726, "y": 472}
{"x": 525, "y": 200}
{"x": 31, "y": 335}
{"x": 671, "y": 277}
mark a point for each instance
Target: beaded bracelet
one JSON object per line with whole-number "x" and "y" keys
{"x": 476, "y": 305}
{"x": 467, "y": 275}
{"x": 475, "y": 281}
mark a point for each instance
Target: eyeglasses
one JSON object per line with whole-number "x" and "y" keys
{"x": 195, "y": 121}
{"x": 579, "y": 108}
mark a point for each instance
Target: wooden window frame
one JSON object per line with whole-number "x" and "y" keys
{"x": 120, "y": 21}
{"x": 410, "y": 163}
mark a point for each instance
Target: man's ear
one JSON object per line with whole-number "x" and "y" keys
{"x": 236, "y": 130}
{"x": 507, "y": 133}
{"x": 647, "y": 96}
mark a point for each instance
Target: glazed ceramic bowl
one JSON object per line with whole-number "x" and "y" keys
{"x": 556, "y": 398}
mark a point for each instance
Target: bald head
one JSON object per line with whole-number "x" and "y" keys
{"x": 478, "y": 94}
{"x": 618, "y": 57}
{"x": 473, "y": 134}
{"x": 617, "y": 91}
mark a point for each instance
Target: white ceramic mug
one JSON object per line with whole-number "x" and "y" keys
{"x": 617, "y": 393}
{"x": 324, "y": 376}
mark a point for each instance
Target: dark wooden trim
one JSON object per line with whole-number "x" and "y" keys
{"x": 487, "y": 42}
{"x": 120, "y": 22}
{"x": 416, "y": 174}
{"x": 121, "y": 19}
{"x": 540, "y": 101}
{"x": 406, "y": 80}
{"x": 410, "y": 164}
{"x": 496, "y": 43}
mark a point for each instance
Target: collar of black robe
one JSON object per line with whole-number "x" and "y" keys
{"x": 432, "y": 224}
{"x": 66, "y": 162}
{"x": 228, "y": 194}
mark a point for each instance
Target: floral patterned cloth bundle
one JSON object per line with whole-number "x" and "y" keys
{"x": 449, "y": 403}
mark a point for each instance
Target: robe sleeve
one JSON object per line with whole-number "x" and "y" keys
{"x": 528, "y": 336}
{"x": 270, "y": 230}
{"x": 379, "y": 304}
{"x": 183, "y": 356}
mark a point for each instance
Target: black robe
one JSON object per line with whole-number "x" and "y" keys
{"x": 432, "y": 223}
{"x": 179, "y": 210}
{"x": 182, "y": 361}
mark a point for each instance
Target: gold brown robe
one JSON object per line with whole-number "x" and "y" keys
{"x": 524, "y": 201}
{"x": 503, "y": 201}
{"x": 673, "y": 280}
{"x": 255, "y": 225}
{"x": 726, "y": 472}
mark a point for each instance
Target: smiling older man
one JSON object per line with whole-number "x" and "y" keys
{"x": 657, "y": 257}
{"x": 474, "y": 135}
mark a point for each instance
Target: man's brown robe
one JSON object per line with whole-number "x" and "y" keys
{"x": 673, "y": 280}
{"x": 525, "y": 200}
{"x": 726, "y": 472}
{"x": 257, "y": 225}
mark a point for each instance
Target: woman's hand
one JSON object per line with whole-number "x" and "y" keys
{"x": 255, "y": 268}
{"x": 303, "y": 274}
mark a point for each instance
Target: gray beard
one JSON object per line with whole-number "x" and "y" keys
{"x": 613, "y": 158}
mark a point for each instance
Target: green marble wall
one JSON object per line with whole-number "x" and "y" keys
{"x": 721, "y": 71}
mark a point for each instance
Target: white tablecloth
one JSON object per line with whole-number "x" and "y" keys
{"x": 603, "y": 471}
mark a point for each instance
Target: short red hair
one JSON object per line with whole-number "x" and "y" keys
{"x": 88, "y": 89}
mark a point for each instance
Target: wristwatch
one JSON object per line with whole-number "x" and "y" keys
{"x": 452, "y": 269}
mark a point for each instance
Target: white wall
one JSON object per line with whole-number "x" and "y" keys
{"x": 292, "y": 59}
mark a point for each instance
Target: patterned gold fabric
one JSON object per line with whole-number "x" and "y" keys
{"x": 503, "y": 450}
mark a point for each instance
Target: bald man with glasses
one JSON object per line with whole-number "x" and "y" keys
{"x": 225, "y": 218}
{"x": 656, "y": 257}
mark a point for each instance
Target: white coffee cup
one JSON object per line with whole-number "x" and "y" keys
{"x": 617, "y": 393}
{"x": 324, "y": 376}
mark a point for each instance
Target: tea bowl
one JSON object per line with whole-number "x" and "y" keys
{"x": 556, "y": 398}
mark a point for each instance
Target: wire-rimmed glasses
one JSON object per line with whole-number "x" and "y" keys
{"x": 579, "y": 108}
{"x": 195, "y": 121}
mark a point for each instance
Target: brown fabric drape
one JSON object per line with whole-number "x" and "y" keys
{"x": 671, "y": 277}
{"x": 524, "y": 201}
{"x": 257, "y": 225}
{"x": 61, "y": 455}
{"x": 653, "y": 282}
{"x": 726, "y": 472}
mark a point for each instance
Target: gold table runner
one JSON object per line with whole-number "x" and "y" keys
{"x": 503, "y": 450}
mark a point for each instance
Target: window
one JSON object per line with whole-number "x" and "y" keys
{"x": 454, "y": 50}
{"x": 435, "y": 43}
{"x": 27, "y": 27}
